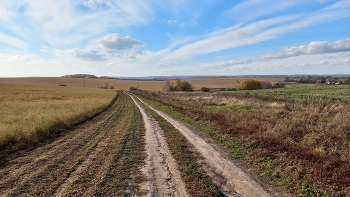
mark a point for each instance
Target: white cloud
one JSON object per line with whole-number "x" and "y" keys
{"x": 257, "y": 8}
{"x": 228, "y": 38}
{"x": 116, "y": 42}
{"x": 262, "y": 30}
{"x": 346, "y": 61}
{"x": 13, "y": 41}
{"x": 312, "y": 48}
{"x": 94, "y": 4}
{"x": 170, "y": 22}
{"x": 87, "y": 54}
{"x": 130, "y": 54}
{"x": 167, "y": 64}
{"x": 14, "y": 58}
{"x": 67, "y": 24}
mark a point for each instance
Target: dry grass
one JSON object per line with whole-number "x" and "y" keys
{"x": 304, "y": 144}
{"x": 30, "y": 111}
{"x": 89, "y": 83}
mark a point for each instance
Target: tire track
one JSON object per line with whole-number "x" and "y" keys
{"x": 235, "y": 182}
{"x": 163, "y": 177}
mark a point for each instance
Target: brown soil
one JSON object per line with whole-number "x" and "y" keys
{"x": 161, "y": 170}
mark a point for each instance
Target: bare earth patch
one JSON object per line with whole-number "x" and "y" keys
{"x": 163, "y": 177}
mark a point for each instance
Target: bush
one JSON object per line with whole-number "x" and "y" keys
{"x": 266, "y": 84}
{"x": 249, "y": 84}
{"x": 133, "y": 88}
{"x": 167, "y": 87}
{"x": 278, "y": 85}
{"x": 177, "y": 85}
{"x": 205, "y": 89}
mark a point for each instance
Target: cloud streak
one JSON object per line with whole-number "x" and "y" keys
{"x": 259, "y": 31}
{"x": 312, "y": 48}
{"x": 13, "y": 41}
{"x": 87, "y": 54}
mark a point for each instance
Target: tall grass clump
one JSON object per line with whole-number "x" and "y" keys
{"x": 30, "y": 112}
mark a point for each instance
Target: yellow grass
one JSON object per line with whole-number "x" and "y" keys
{"x": 89, "y": 83}
{"x": 29, "y": 111}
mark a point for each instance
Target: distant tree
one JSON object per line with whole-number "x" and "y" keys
{"x": 178, "y": 85}
{"x": 278, "y": 85}
{"x": 266, "y": 84}
{"x": 330, "y": 79}
{"x": 167, "y": 87}
{"x": 342, "y": 80}
{"x": 249, "y": 84}
{"x": 133, "y": 88}
{"x": 205, "y": 89}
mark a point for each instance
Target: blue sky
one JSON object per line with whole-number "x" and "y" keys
{"x": 174, "y": 37}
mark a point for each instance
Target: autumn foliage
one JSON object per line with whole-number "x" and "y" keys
{"x": 177, "y": 85}
{"x": 249, "y": 84}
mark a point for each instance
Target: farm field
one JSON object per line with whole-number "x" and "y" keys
{"x": 114, "y": 154}
{"x": 109, "y": 153}
{"x": 105, "y": 141}
{"x": 100, "y": 157}
{"x": 125, "y": 84}
{"x": 33, "y": 111}
{"x": 339, "y": 93}
{"x": 88, "y": 83}
{"x": 299, "y": 138}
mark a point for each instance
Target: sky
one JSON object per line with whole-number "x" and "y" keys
{"x": 138, "y": 38}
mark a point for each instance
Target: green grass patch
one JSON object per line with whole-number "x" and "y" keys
{"x": 339, "y": 93}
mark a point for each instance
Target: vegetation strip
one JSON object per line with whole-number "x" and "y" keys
{"x": 198, "y": 183}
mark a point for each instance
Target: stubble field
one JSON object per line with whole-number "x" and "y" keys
{"x": 29, "y": 112}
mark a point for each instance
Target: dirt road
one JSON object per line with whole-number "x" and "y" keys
{"x": 232, "y": 180}
{"x": 163, "y": 177}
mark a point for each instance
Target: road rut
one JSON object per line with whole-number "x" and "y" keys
{"x": 161, "y": 169}
{"x": 234, "y": 181}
